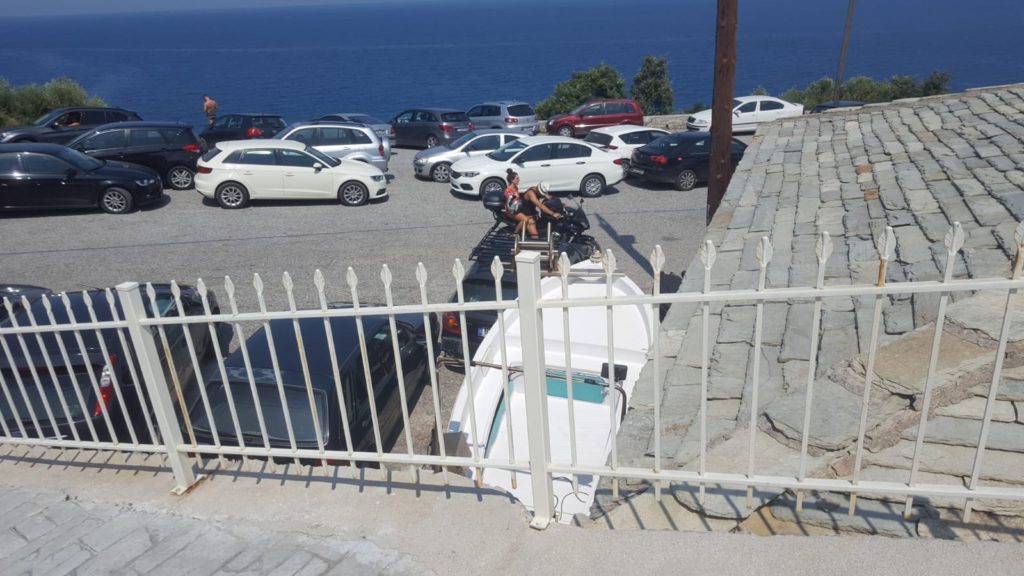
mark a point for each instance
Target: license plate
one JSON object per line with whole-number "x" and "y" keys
{"x": 481, "y": 332}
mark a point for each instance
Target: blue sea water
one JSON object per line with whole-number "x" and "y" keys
{"x": 379, "y": 58}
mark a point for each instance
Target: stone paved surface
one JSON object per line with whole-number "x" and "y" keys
{"x": 88, "y": 514}
{"x": 50, "y": 533}
{"x": 917, "y": 166}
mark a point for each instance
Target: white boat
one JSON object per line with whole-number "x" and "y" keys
{"x": 593, "y": 397}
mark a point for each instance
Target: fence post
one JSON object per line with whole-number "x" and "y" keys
{"x": 155, "y": 382}
{"x": 531, "y": 324}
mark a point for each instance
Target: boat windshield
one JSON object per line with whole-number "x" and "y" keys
{"x": 585, "y": 388}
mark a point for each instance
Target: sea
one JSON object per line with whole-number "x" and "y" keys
{"x": 381, "y": 57}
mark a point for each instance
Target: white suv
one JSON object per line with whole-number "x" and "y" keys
{"x": 235, "y": 172}
{"x": 566, "y": 164}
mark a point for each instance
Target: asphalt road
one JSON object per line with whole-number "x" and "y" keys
{"x": 188, "y": 238}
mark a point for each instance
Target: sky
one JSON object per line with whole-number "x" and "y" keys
{"x": 20, "y": 8}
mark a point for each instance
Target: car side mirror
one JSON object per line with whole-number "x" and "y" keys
{"x": 735, "y": 112}
{"x": 518, "y": 163}
{"x": 318, "y": 166}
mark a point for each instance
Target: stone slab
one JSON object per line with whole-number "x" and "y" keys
{"x": 951, "y": 460}
{"x": 951, "y": 431}
{"x": 902, "y": 366}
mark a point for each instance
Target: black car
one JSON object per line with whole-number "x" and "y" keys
{"x": 83, "y": 376}
{"x": 15, "y": 293}
{"x": 429, "y": 127}
{"x": 477, "y": 286}
{"x": 681, "y": 159}
{"x": 169, "y": 148}
{"x": 243, "y": 127}
{"x": 65, "y": 124}
{"x": 41, "y": 176}
{"x": 834, "y": 104}
{"x": 383, "y": 375}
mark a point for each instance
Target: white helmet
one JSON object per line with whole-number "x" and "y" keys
{"x": 544, "y": 187}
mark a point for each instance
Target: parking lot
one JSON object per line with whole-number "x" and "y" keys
{"x": 187, "y": 238}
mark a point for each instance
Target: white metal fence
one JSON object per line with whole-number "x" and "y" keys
{"x": 133, "y": 374}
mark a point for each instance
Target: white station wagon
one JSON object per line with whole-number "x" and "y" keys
{"x": 566, "y": 164}
{"x": 235, "y": 172}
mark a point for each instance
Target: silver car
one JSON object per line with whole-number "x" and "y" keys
{"x": 435, "y": 163}
{"x": 342, "y": 140}
{"x": 379, "y": 126}
{"x": 508, "y": 114}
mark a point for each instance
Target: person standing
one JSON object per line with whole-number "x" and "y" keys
{"x": 210, "y": 108}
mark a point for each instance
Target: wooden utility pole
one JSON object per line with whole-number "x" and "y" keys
{"x": 837, "y": 89}
{"x": 721, "y": 105}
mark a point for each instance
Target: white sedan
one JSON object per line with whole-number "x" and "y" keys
{"x": 566, "y": 164}
{"x": 748, "y": 112}
{"x": 235, "y": 172}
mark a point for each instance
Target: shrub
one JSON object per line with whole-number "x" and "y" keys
{"x": 602, "y": 81}
{"x": 864, "y": 89}
{"x": 23, "y": 104}
{"x": 652, "y": 89}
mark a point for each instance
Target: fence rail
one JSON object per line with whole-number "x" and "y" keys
{"x": 164, "y": 369}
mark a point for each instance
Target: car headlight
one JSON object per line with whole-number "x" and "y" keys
{"x": 470, "y": 174}
{"x": 377, "y": 178}
{"x": 421, "y": 161}
{"x": 145, "y": 182}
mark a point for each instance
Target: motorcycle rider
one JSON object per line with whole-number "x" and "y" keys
{"x": 526, "y": 207}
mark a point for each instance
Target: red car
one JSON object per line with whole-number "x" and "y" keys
{"x": 595, "y": 114}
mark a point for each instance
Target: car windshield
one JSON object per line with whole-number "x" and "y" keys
{"x": 461, "y": 141}
{"x": 327, "y": 160}
{"x": 576, "y": 111}
{"x": 46, "y": 119}
{"x": 506, "y": 152}
{"x": 365, "y": 119}
{"x": 79, "y": 160}
{"x": 736, "y": 103}
{"x": 668, "y": 143}
{"x": 598, "y": 138}
{"x": 269, "y": 405}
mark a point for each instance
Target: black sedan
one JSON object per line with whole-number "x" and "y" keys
{"x": 293, "y": 397}
{"x": 682, "y": 159}
{"x": 64, "y": 124}
{"x": 83, "y": 377}
{"x": 43, "y": 176}
{"x": 243, "y": 127}
{"x": 169, "y": 148}
{"x": 478, "y": 286}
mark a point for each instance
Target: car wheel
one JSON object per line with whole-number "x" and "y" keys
{"x": 686, "y": 180}
{"x": 232, "y": 195}
{"x": 441, "y": 172}
{"x": 565, "y": 131}
{"x": 115, "y": 200}
{"x": 491, "y": 185}
{"x": 591, "y": 186}
{"x": 353, "y": 194}
{"x": 180, "y": 177}
{"x": 432, "y": 141}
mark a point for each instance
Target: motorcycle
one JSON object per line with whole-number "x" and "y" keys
{"x": 567, "y": 232}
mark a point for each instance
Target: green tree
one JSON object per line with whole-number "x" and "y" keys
{"x": 23, "y": 104}
{"x": 602, "y": 81}
{"x": 652, "y": 89}
{"x": 936, "y": 83}
{"x": 760, "y": 91}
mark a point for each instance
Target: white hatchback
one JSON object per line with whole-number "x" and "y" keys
{"x": 622, "y": 140}
{"x": 235, "y": 172}
{"x": 566, "y": 164}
